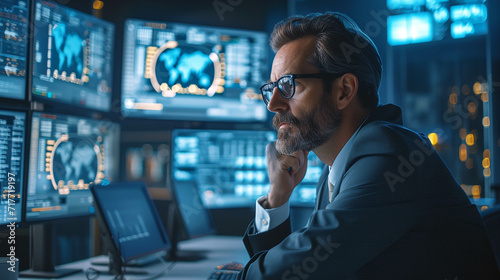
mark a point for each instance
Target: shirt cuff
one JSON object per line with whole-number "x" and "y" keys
{"x": 267, "y": 219}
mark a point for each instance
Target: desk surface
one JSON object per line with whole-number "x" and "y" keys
{"x": 219, "y": 250}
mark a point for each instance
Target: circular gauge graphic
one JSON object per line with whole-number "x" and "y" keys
{"x": 74, "y": 163}
{"x": 192, "y": 70}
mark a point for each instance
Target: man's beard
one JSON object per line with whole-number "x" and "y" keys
{"x": 308, "y": 132}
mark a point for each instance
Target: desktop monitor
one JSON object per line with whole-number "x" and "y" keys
{"x": 67, "y": 154}
{"x": 14, "y": 16}
{"x": 72, "y": 57}
{"x": 12, "y": 139}
{"x": 131, "y": 224}
{"x": 189, "y": 72}
{"x": 188, "y": 218}
{"x": 419, "y": 21}
{"x": 229, "y": 167}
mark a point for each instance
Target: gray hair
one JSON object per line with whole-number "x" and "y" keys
{"x": 341, "y": 47}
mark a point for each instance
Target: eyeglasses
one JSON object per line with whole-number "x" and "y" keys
{"x": 286, "y": 84}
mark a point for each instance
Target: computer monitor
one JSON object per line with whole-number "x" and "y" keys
{"x": 12, "y": 139}
{"x": 67, "y": 154}
{"x": 189, "y": 72}
{"x": 419, "y": 21}
{"x": 130, "y": 222}
{"x": 187, "y": 218}
{"x": 14, "y": 17}
{"x": 229, "y": 167}
{"x": 72, "y": 57}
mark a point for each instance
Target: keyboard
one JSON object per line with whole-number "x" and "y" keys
{"x": 227, "y": 271}
{"x": 224, "y": 275}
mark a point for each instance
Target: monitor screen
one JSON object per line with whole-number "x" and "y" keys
{"x": 418, "y": 21}
{"x": 195, "y": 217}
{"x": 188, "y": 72}
{"x": 67, "y": 153}
{"x": 13, "y": 48}
{"x": 72, "y": 57}
{"x": 12, "y": 130}
{"x": 229, "y": 167}
{"x": 135, "y": 231}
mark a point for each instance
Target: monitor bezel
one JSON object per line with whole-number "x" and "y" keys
{"x": 175, "y": 133}
{"x": 212, "y": 230}
{"x": 98, "y": 201}
{"x": 24, "y": 101}
{"x": 25, "y": 163}
{"x": 30, "y": 81}
{"x": 137, "y": 115}
{"x": 59, "y": 218}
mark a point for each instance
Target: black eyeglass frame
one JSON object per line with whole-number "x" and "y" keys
{"x": 293, "y": 77}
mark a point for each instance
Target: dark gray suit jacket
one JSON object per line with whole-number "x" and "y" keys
{"x": 396, "y": 213}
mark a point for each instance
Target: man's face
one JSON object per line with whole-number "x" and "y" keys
{"x": 308, "y": 119}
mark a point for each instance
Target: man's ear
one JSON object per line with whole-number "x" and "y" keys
{"x": 348, "y": 84}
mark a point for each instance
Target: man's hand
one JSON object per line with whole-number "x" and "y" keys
{"x": 285, "y": 173}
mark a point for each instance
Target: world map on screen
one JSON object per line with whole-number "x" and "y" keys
{"x": 185, "y": 66}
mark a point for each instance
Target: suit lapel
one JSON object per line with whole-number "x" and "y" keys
{"x": 322, "y": 190}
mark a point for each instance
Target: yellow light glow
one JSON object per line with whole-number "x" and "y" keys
{"x": 486, "y": 162}
{"x": 98, "y": 5}
{"x": 470, "y": 139}
{"x": 433, "y": 137}
{"x": 484, "y": 97}
{"x": 453, "y": 98}
{"x": 462, "y": 133}
{"x": 484, "y": 207}
{"x": 469, "y": 164}
{"x": 486, "y": 154}
{"x": 476, "y": 191}
{"x": 486, "y": 121}
{"x": 487, "y": 172}
{"x": 472, "y": 107}
{"x": 462, "y": 153}
{"x": 192, "y": 88}
{"x": 477, "y": 88}
{"x": 177, "y": 87}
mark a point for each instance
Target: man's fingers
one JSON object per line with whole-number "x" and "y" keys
{"x": 287, "y": 162}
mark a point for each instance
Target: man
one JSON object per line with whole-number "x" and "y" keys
{"x": 387, "y": 207}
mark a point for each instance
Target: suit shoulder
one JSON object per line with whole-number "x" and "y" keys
{"x": 382, "y": 137}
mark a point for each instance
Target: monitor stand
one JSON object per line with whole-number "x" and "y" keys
{"x": 173, "y": 228}
{"x": 183, "y": 255}
{"x": 42, "y": 248}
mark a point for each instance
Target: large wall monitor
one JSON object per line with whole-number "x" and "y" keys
{"x": 72, "y": 56}
{"x": 68, "y": 153}
{"x": 13, "y": 48}
{"x": 12, "y": 130}
{"x": 230, "y": 169}
{"x": 188, "y": 72}
{"x": 418, "y": 21}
